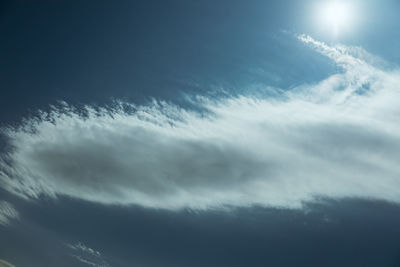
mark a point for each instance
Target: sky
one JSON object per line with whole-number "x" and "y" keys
{"x": 200, "y": 133}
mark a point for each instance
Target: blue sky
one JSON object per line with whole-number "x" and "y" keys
{"x": 199, "y": 133}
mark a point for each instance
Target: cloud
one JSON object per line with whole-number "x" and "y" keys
{"x": 88, "y": 255}
{"x": 4, "y": 263}
{"x": 7, "y": 213}
{"x": 337, "y": 138}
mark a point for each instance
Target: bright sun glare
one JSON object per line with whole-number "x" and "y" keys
{"x": 335, "y": 15}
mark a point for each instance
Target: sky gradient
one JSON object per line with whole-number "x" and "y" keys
{"x": 199, "y": 133}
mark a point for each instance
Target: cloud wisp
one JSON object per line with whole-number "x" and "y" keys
{"x": 87, "y": 255}
{"x": 4, "y": 263}
{"x": 337, "y": 138}
{"x": 7, "y": 213}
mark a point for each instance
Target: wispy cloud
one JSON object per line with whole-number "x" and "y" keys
{"x": 7, "y": 213}
{"x": 4, "y": 263}
{"x": 336, "y": 138}
{"x": 88, "y": 255}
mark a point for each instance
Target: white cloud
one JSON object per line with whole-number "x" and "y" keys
{"x": 337, "y": 138}
{"x": 7, "y": 213}
{"x": 87, "y": 255}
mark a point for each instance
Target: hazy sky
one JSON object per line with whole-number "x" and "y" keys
{"x": 200, "y": 133}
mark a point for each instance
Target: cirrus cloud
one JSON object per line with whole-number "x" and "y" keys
{"x": 336, "y": 138}
{"x": 7, "y": 213}
{"x": 87, "y": 255}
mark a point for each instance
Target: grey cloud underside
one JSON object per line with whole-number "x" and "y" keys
{"x": 337, "y": 138}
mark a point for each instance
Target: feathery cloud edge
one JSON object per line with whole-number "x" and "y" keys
{"x": 337, "y": 138}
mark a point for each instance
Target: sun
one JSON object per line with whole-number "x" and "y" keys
{"x": 335, "y": 15}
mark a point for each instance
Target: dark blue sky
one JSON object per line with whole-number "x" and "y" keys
{"x": 91, "y": 52}
{"x": 121, "y": 191}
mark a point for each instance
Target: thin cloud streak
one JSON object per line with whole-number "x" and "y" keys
{"x": 7, "y": 213}
{"x": 338, "y": 138}
{"x": 87, "y": 255}
{"x": 4, "y": 263}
